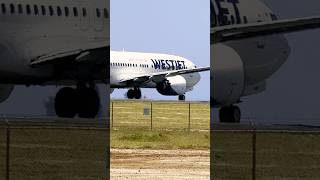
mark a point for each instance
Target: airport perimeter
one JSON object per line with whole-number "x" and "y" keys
{"x": 160, "y": 115}
{"x": 258, "y": 151}
{"x": 44, "y": 148}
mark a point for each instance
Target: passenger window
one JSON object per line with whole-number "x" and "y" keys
{"x": 43, "y": 9}
{"x": 36, "y": 10}
{"x": 59, "y": 12}
{"x": 106, "y": 14}
{"x": 98, "y": 13}
{"x": 3, "y": 8}
{"x": 51, "y": 11}
{"x": 20, "y": 9}
{"x": 12, "y": 9}
{"x": 28, "y": 9}
{"x": 75, "y": 12}
{"x": 66, "y": 11}
{"x": 84, "y": 12}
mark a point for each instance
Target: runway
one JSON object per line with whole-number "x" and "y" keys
{"x": 144, "y": 164}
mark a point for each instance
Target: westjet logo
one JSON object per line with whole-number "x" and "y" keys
{"x": 168, "y": 64}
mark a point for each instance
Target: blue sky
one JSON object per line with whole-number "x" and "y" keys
{"x": 178, "y": 27}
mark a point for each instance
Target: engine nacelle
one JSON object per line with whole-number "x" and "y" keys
{"x": 172, "y": 86}
{"x": 5, "y": 91}
{"x": 227, "y": 75}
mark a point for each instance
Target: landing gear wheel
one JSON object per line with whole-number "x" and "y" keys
{"x": 230, "y": 114}
{"x": 137, "y": 93}
{"x": 65, "y": 103}
{"x": 130, "y": 94}
{"x": 182, "y": 97}
{"x": 88, "y": 102}
{"x": 134, "y": 93}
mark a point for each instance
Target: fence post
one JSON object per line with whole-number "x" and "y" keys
{"x": 189, "y": 116}
{"x": 151, "y": 115}
{"x": 254, "y": 143}
{"x": 7, "y": 151}
{"x": 111, "y": 114}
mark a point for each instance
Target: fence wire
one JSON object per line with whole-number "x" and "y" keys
{"x": 40, "y": 151}
{"x": 159, "y": 115}
{"x": 272, "y": 152}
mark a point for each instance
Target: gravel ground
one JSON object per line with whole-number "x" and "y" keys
{"x": 160, "y": 164}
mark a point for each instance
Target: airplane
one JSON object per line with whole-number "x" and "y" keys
{"x": 247, "y": 46}
{"x": 170, "y": 75}
{"x": 61, "y": 43}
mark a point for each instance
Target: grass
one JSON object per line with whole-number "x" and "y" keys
{"x": 146, "y": 139}
{"x": 169, "y": 122}
{"x": 55, "y": 154}
{"x": 279, "y": 156}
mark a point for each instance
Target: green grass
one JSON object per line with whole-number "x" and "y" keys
{"x": 146, "y": 139}
{"x": 55, "y": 154}
{"x": 165, "y": 115}
{"x": 279, "y": 156}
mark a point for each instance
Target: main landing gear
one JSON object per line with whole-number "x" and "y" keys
{"x": 134, "y": 93}
{"x": 181, "y": 97}
{"x": 230, "y": 114}
{"x": 83, "y": 101}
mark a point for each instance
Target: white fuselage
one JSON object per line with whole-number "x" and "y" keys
{"x": 124, "y": 65}
{"x": 32, "y": 28}
{"x": 253, "y": 59}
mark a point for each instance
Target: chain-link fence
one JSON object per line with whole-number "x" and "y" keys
{"x": 53, "y": 150}
{"x": 159, "y": 115}
{"x": 265, "y": 152}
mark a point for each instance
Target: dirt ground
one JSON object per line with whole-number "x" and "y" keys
{"x": 160, "y": 164}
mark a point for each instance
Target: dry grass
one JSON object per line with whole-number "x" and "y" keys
{"x": 55, "y": 154}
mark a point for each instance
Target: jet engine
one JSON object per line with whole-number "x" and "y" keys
{"x": 227, "y": 75}
{"x": 5, "y": 91}
{"x": 172, "y": 86}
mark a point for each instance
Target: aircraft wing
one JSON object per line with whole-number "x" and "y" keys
{"x": 72, "y": 54}
{"x": 235, "y": 32}
{"x": 160, "y": 76}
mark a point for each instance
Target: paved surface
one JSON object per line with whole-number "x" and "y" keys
{"x": 160, "y": 164}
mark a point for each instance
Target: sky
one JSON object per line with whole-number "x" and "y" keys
{"x": 177, "y": 27}
{"x": 292, "y": 94}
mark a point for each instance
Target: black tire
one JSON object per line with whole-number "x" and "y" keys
{"x": 88, "y": 102}
{"x": 65, "y": 103}
{"x": 130, "y": 94}
{"x": 224, "y": 115}
{"x": 231, "y": 114}
{"x": 137, "y": 94}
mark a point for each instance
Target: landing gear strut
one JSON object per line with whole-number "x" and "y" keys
{"x": 230, "y": 114}
{"x": 181, "y": 97}
{"x": 83, "y": 101}
{"x": 134, "y": 93}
